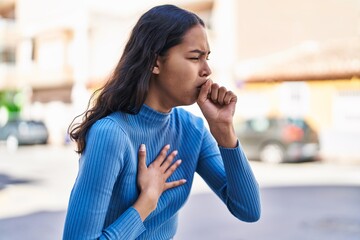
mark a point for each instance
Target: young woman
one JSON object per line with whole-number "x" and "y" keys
{"x": 139, "y": 152}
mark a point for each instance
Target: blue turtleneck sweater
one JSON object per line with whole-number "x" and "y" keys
{"x": 105, "y": 189}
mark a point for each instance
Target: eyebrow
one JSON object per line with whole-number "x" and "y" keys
{"x": 200, "y": 52}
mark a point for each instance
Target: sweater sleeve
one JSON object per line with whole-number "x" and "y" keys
{"x": 100, "y": 165}
{"x": 229, "y": 175}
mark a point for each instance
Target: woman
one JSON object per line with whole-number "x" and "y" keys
{"x": 139, "y": 152}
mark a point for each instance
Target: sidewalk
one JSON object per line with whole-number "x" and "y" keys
{"x": 340, "y": 147}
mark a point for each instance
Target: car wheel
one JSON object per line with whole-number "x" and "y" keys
{"x": 272, "y": 153}
{"x": 12, "y": 143}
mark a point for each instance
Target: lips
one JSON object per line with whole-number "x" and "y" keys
{"x": 199, "y": 87}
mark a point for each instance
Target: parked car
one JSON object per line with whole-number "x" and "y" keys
{"x": 277, "y": 140}
{"x": 23, "y": 132}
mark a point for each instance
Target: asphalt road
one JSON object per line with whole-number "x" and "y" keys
{"x": 299, "y": 201}
{"x": 288, "y": 213}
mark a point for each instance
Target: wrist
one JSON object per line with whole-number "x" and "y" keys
{"x": 224, "y": 135}
{"x": 145, "y": 205}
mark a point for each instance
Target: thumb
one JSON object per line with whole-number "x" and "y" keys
{"x": 142, "y": 156}
{"x": 204, "y": 91}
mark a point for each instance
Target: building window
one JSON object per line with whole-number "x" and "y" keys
{"x": 7, "y": 55}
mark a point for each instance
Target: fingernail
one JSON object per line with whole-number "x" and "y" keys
{"x": 142, "y": 147}
{"x": 175, "y": 152}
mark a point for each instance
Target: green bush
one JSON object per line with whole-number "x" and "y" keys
{"x": 12, "y": 101}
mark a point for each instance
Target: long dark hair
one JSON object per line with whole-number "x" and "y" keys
{"x": 157, "y": 30}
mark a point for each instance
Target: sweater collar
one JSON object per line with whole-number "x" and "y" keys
{"x": 152, "y": 115}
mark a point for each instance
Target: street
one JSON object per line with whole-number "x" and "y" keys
{"x": 313, "y": 200}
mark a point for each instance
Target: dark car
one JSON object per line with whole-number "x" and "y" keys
{"x": 278, "y": 140}
{"x": 23, "y": 132}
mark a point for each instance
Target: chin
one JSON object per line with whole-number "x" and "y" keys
{"x": 188, "y": 103}
{"x": 189, "y": 99}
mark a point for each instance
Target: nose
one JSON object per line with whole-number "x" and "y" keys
{"x": 205, "y": 70}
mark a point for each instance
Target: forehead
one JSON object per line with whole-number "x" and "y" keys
{"x": 195, "y": 38}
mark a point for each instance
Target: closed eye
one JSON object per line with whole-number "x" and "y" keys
{"x": 198, "y": 58}
{"x": 199, "y": 54}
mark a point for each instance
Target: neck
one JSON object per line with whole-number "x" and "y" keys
{"x": 154, "y": 101}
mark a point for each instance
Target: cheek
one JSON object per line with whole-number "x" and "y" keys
{"x": 181, "y": 75}
{"x": 187, "y": 74}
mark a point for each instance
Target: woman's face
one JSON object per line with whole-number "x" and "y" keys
{"x": 178, "y": 75}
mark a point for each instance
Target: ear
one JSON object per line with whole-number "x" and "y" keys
{"x": 156, "y": 68}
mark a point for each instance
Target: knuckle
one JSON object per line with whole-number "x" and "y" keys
{"x": 214, "y": 86}
{"x": 162, "y": 154}
{"x": 172, "y": 169}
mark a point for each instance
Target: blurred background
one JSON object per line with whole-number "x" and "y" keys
{"x": 295, "y": 66}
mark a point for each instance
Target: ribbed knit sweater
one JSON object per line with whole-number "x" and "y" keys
{"x": 100, "y": 205}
